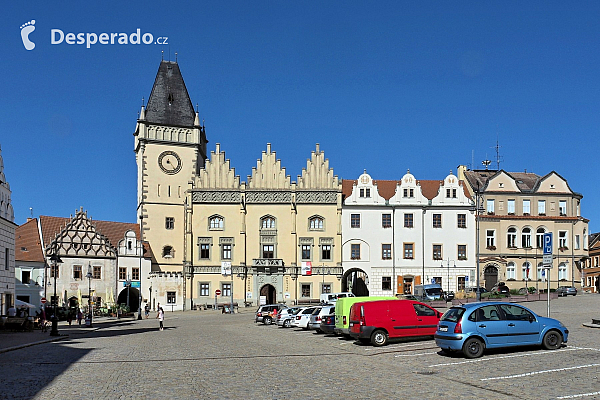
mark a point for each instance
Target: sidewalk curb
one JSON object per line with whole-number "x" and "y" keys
{"x": 22, "y": 346}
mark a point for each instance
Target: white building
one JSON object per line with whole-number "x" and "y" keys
{"x": 7, "y": 244}
{"x": 397, "y": 234}
{"x": 30, "y": 264}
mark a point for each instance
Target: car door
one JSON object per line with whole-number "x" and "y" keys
{"x": 522, "y": 325}
{"x": 403, "y": 318}
{"x": 490, "y": 325}
{"x": 427, "y": 319}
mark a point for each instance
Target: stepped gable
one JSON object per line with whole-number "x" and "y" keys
{"x": 217, "y": 173}
{"x": 318, "y": 174}
{"x": 169, "y": 102}
{"x": 268, "y": 173}
{"x": 27, "y": 242}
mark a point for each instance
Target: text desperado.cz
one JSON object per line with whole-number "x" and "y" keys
{"x": 57, "y": 36}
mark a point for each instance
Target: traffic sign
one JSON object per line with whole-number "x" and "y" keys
{"x": 548, "y": 243}
{"x": 43, "y": 300}
{"x": 547, "y": 260}
{"x": 217, "y": 292}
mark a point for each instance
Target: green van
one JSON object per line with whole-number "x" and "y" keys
{"x": 342, "y": 311}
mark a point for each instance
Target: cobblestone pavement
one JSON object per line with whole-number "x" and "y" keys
{"x": 206, "y": 355}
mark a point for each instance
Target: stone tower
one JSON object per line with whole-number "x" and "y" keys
{"x": 170, "y": 148}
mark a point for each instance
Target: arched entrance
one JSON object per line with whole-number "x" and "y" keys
{"x": 355, "y": 280}
{"x": 134, "y": 301}
{"x": 269, "y": 293}
{"x": 490, "y": 275}
{"x": 73, "y": 302}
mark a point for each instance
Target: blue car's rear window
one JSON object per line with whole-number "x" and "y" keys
{"x": 453, "y": 315}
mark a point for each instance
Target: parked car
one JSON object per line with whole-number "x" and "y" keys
{"x": 331, "y": 298}
{"x": 328, "y": 323}
{"x": 303, "y": 317}
{"x": 378, "y": 321}
{"x": 286, "y": 316}
{"x": 317, "y": 316}
{"x": 430, "y": 292}
{"x": 265, "y": 313}
{"x": 480, "y": 289}
{"x": 342, "y": 311}
{"x": 474, "y": 327}
{"x": 566, "y": 291}
{"x": 501, "y": 288}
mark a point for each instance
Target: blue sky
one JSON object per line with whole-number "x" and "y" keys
{"x": 382, "y": 86}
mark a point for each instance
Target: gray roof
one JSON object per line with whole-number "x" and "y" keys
{"x": 526, "y": 181}
{"x": 169, "y": 102}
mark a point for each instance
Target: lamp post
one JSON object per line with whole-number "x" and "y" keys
{"x": 89, "y": 276}
{"x": 55, "y": 261}
{"x": 478, "y": 210}
{"x": 448, "y": 284}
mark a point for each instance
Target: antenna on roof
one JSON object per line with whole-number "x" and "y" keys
{"x": 31, "y": 211}
{"x": 498, "y": 157}
{"x": 162, "y": 55}
{"x": 175, "y": 56}
{"x": 486, "y": 163}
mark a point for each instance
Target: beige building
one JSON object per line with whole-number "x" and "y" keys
{"x": 211, "y": 232}
{"x": 516, "y": 209}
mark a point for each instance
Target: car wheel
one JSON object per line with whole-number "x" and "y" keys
{"x": 552, "y": 340}
{"x": 287, "y": 323}
{"x": 379, "y": 338}
{"x": 268, "y": 320}
{"x": 473, "y": 348}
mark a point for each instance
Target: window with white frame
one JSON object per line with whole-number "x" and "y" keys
{"x": 225, "y": 289}
{"x": 316, "y": 224}
{"x": 225, "y": 251}
{"x": 511, "y": 206}
{"x": 510, "y": 271}
{"x": 386, "y": 251}
{"x": 562, "y": 240}
{"x": 526, "y": 238}
{"x": 215, "y": 223}
{"x": 562, "y": 272}
{"x": 577, "y": 242}
{"x": 526, "y": 270}
{"x": 204, "y": 289}
{"x": 490, "y": 206}
{"x": 562, "y": 207}
{"x": 526, "y": 207}
{"x": 490, "y": 239}
{"x": 539, "y": 237}
{"x": 354, "y": 220}
{"x": 541, "y": 207}
{"x": 267, "y": 223}
{"x": 306, "y": 251}
{"x": 511, "y": 237}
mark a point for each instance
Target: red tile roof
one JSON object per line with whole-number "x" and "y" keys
{"x": 27, "y": 242}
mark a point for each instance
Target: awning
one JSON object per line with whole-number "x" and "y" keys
{"x": 22, "y": 304}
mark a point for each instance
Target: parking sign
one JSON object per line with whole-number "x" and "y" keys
{"x": 548, "y": 243}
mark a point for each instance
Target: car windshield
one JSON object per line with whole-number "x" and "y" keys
{"x": 453, "y": 315}
{"x": 434, "y": 291}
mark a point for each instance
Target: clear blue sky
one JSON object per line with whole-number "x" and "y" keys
{"x": 383, "y": 86}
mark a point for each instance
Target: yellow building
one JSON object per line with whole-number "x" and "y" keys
{"x": 211, "y": 232}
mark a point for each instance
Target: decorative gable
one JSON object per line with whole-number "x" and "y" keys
{"x": 365, "y": 191}
{"x": 317, "y": 174}
{"x": 268, "y": 173}
{"x": 502, "y": 182}
{"x": 409, "y": 191}
{"x": 451, "y": 192}
{"x": 217, "y": 173}
{"x": 553, "y": 183}
{"x": 80, "y": 238}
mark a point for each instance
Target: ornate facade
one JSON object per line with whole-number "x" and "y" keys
{"x": 516, "y": 209}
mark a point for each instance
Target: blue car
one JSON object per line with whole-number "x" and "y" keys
{"x": 474, "y": 327}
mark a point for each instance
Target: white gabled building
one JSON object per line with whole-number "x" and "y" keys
{"x": 398, "y": 234}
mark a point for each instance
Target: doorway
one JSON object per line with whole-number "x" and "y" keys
{"x": 491, "y": 277}
{"x": 269, "y": 293}
{"x": 355, "y": 280}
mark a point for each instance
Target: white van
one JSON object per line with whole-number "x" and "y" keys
{"x": 331, "y": 298}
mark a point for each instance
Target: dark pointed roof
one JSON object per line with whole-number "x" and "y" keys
{"x": 169, "y": 102}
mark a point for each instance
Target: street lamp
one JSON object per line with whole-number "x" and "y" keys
{"x": 448, "y": 284}
{"x": 55, "y": 261}
{"x": 478, "y": 210}
{"x": 140, "y": 273}
{"x": 89, "y": 276}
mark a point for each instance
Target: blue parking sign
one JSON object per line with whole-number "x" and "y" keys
{"x": 548, "y": 243}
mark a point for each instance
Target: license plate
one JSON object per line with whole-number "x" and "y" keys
{"x": 443, "y": 329}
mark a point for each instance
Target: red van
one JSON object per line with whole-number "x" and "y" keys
{"x": 377, "y": 321}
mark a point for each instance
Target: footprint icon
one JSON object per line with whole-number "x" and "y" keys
{"x": 26, "y": 29}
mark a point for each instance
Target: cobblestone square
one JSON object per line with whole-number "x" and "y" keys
{"x": 208, "y": 355}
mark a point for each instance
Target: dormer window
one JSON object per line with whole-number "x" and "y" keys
{"x": 501, "y": 185}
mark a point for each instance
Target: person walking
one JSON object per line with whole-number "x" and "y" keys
{"x": 161, "y": 317}
{"x": 146, "y": 310}
{"x": 79, "y": 316}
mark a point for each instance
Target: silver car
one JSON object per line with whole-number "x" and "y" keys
{"x": 317, "y": 315}
{"x": 566, "y": 291}
{"x": 286, "y": 316}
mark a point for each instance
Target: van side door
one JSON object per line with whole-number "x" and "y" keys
{"x": 403, "y": 319}
{"x": 427, "y": 319}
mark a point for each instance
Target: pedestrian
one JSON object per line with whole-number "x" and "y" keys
{"x": 43, "y": 319}
{"x": 79, "y": 316}
{"x": 161, "y": 317}
{"x": 70, "y": 316}
{"x": 146, "y": 310}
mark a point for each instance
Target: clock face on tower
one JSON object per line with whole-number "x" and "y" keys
{"x": 169, "y": 162}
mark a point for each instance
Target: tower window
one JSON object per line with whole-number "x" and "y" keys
{"x": 168, "y": 252}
